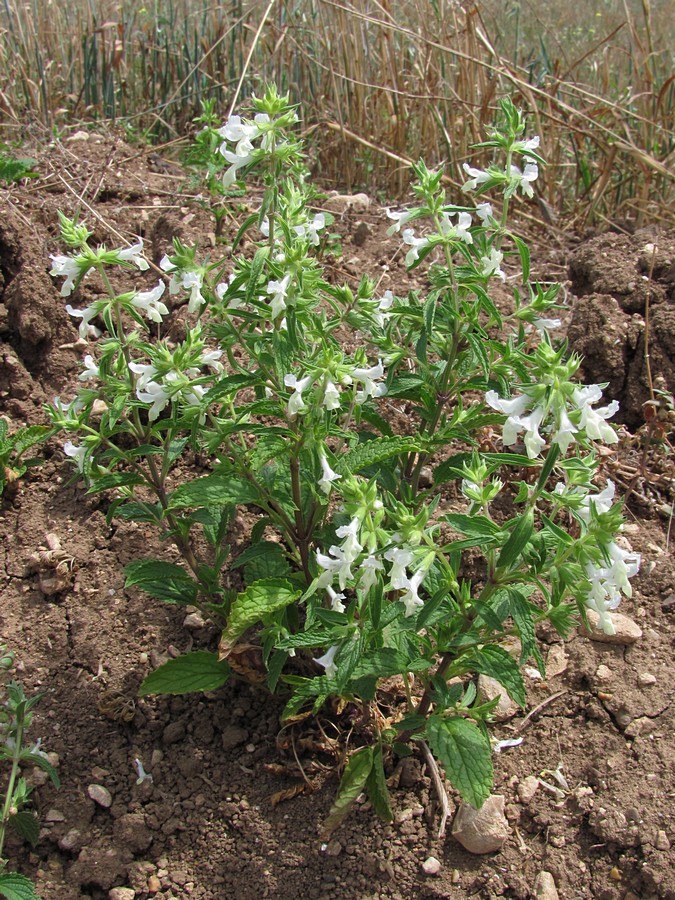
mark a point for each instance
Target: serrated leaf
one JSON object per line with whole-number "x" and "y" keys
{"x": 259, "y": 601}
{"x": 499, "y": 664}
{"x": 372, "y": 452}
{"x": 513, "y": 548}
{"x": 465, "y": 754}
{"x": 163, "y": 580}
{"x": 17, "y": 887}
{"x": 472, "y": 526}
{"x": 376, "y": 788}
{"x": 27, "y": 825}
{"x": 521, "y": 612}
{"x": 265, "y": 559}
{"x": 196, "y": 671}
{"x": 214, "y": 490}
{"x": 353, "y": 781}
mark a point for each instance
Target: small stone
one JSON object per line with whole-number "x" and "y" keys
{"x": 483, "y": 830}
{"x": 411, "y": 772}
{"x": 646, "y": 679}
{"x": 193, "y": 621}
{"x": 626, "y": 630}
{"x": 603, "y": 673}
{"x": 250, "y": 748}
{"x": 404, "y": 815}
{"x": 615, "y": 874}
{"x": 78, "y": 136}
{"x": 121, "y": 893}
{"x": 668, "y": 605}
{"x": 455, "y": 876}
{"x": 71, "y": 841}
{"x": 527, "y": 788}
{"x": 233, "y": 736}
{"x": 662, "y": 841}
{"x": 154, "y": 884}
{"x": 636, "y": 727}
{"x": 556, "y": 661}
{"x": 431, "y": 866}
{"x": 100, "y": 795}
{"x": 490, "y": 689}
{"x": 54, "y": 815}
{"x": 426, "y": 476}
{"x": 544, "y": 887}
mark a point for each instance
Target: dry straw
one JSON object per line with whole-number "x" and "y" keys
{"x": 379, "y": 82}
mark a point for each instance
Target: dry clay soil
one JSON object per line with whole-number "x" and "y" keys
{"x": 205, "y": 827}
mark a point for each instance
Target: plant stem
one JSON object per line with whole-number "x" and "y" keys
{"x": 9, "y": 794}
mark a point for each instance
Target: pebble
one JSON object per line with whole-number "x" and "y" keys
{"x": 544, "y": 887}
{"x": 646, "y": 679}
{"x": 194, "y": 621}
{"x": 334, "y": 848}
{"x": 489, "y": 688}
{"x": 603, "y": 673}
{"x": 71, "y": 841}
{"x": 627, "y": 631}
{"x": 668, "y": 605}
{"x": 121, "y": 893}
{"x": 662, "y": 841}
{"x": 556, "y": 661}
{"x": 54, "y": 815}
{"x": 483, "y": 830}
{"x": 154, "y": 884}
{"x": 431, "y": 866}
{"x": 233, "y": 736}
{"x": 527, "y": 788}
{"x": 100, "y": 795}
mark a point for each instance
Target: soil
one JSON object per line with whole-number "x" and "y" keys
{"x": 205, "y": 826}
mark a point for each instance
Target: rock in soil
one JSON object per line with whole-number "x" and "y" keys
{"x": 483, "y": 830}
{"x": 100, "y": 795}
{"x": 122, "y": 893}
{"x": 431, "y": 866}
{"x": 627, "y": 631}
{"x": 490, "y": 688}
{"x": 544, "y": 887}
{"x": 527, "y": 788}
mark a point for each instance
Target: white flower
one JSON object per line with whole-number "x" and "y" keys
{"x": 416, "y": 245}
{"x": 492, "y": 264}
{"x": 534, "y": 442}
{"x": 543, "y": 325}
{"x": 140, "y": 771}
{"x": 148, "y": 302}
{"x": 368, "y": 378}
{"x": 517, "y": 422}
{"x": 525, "y": 178}
{"x": 336, "y": 599}
{"x": 68, "y": 267}
{"x": 411, "y": 600}
{"x": 601, "y": 502}
{"x": 311, "y": 229}
{"x": 86, "y": 330}
{"x": 400, "y": 558}
{"x": 350, "y": 547}
{"x": 296, "y": 404}
{"x": 331, "y": 396}
{"x": 476, "y": 177}
{"x": 513, "y": 407}
{"x": 370, "y": 566}
{"x": 327, "y": 661}
{"x": 154, "y": 393}
{"x": 146, "y": 373}
{"x": 525, "y": 146}
{"x": 381, "y": 315}
{"x": 278, "y": 290}
{"x": 78, "y": 454}
{"x": 234, "y": 130}
{"x": 242, "y": 156}
{"x": 192, "y": 281}
{"x": 460, "y": 231}
{"x": 607, "y": 583}
{"x": 564, "y": 432}
{"x": 328, "y": 476}
{"x": 90, "y": 369}
{"x": 593, "y": 422}
{"x": 484, "y": 212}
{"x": 133, "y": 254}
{"x": 398, "y": 218}
{"x": 469, "y": 488}
{"x": 211, "y": 359}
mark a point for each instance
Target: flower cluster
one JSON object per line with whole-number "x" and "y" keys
{"x": 369, "y": 379}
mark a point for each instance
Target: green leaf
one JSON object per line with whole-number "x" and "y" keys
{"x": 376, "y": 787}
{"x": 27, "y": 825}
{"x": 371, "y": 452}
{"x": 263, "y": 560}
{"x": 196, "y": 671}
{"x": 513, "y": 548}
{"x": 353, "y": 781}
{"x": 522, "y": 613}
{"x": 259, "y": 601}
{"x": 465, "y": 754}
{"x": 498, "y": 663}
{"x": 214, "y": 490}
{"x": 549, "y": 463}
{"x": 40, "y": 760}
{"x": 472, "y": 526}
{"x": 524, "y": 252}
{"x": 17, "y": 887}
{"x": 252, "y": 288}
{"x": 163, "y": 580}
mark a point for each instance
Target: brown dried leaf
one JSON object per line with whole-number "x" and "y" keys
{"x": 288, "y": 793}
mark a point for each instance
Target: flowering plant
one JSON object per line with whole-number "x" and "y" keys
{"x": 417, "y": 553}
